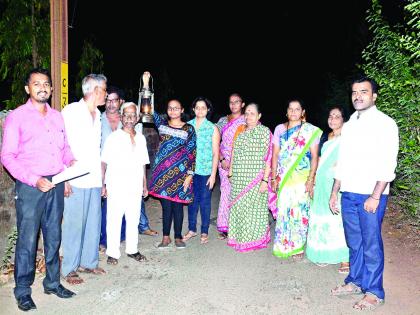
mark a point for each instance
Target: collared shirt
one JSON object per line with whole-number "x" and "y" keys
{"x": 125, "y": 162}
{"x": 368, "y": 152}
{"x": 204, "y": 159}
{"x": 34, "y": 145}
{"x": 106, "y": 129}
{"x": 84, "y": 135}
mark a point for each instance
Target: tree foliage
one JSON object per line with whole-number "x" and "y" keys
{"x": 91, "y": 61}
{"x": 24, "y": 42}
{"x": 392, "y": 59}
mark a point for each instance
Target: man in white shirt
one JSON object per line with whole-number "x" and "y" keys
{"x": 365, "y": 167}
{"x": 124, "y": 157}
{"x": 82, "y": 208}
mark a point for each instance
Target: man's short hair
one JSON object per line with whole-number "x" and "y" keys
{"x": 91, "y": 81}
{"x": 38, "y": 70}
{"x": 363, "y": 78}
{"x": 113, "y": 89}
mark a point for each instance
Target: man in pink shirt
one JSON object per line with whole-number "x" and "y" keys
{"x": 34, "y": 149}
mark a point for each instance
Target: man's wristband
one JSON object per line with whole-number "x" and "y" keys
{"x": 373, "y": 197}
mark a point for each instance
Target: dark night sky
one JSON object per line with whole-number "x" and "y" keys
{"x": 267, "y": 54}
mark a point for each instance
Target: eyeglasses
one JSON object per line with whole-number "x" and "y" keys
{"x": 174, "y": 109}
{"x": 115, "y": 100}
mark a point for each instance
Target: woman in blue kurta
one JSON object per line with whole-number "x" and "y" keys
{"x": 173, "y": 170}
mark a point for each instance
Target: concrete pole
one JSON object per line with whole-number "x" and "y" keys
{"x": 59, "y": 53}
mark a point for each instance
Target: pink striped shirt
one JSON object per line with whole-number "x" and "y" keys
{"x": 34, "y": 145}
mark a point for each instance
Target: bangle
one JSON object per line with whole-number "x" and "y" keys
{"x": 190, "y": 173}
{"x": 373, "y": 197}
{"x": 222, "y": 160}
{"x": 264, "y": 180}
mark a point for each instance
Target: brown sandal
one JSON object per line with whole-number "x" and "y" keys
{"x": 95, "y": 271}
{"x": 73, "y": 278}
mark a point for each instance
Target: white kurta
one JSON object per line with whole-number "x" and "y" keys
{"x": 124, "y": 182}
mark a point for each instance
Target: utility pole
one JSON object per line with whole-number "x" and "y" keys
{"x": 59, "y": 53}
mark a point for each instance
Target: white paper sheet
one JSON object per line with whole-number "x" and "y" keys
{"x": 77, "y": 170}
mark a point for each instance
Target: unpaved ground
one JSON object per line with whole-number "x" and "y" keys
{"x": 214, "y": 279}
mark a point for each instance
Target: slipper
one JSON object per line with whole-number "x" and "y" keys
{"x": 365, "y": 305}
{"x": 112, "y": 261}
{"x": 204, "y": 239}
{"x": 73, "y": 278}
{"x": 189, "y": 235}
{"x": 222, "y": 236}
{"x": 95, "y": 271}
{"x": 298, "y": 257}
{"x": 137, "y": 257}
{"x": 341, "y": 290}
{"x": 150, "y": 232}
{"x": 344, "y": 269}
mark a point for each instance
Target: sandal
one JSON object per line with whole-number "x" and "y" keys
{"x": 298, "y": 257}
{"x": 222, "y": 236}
{"x": 137, "y": 257}
{"x": 343, "y": 289}
{"x": 150, "y": 232}
{"x": 344, "y": 268}
{"x": 95, "y": 271}
{"x": 366, "y": 305}
{"x": 112, "y": 261}
{"x": 189, "y": 235}
{"x": 204, "y": 239}
{"x": 73, "y": 278}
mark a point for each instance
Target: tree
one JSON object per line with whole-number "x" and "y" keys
{"x": 24, "y": 42}
{"x": 392, "y": 59}
{"x": 91, "y": 61}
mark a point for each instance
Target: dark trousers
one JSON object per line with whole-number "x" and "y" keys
{"x": 363, "y": 236}
{"x": 172, "y": 211}
{"x": 35, "y": 210}
{"x": 202, "y": 201}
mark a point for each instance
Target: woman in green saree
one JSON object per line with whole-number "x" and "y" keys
{"x": 326, "y": 243}
{"x": 294, "y": 163}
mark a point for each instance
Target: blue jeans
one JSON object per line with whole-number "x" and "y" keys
{"x": 363, "y": 236}
{"x": 143, "y": 223}
{"x": 34, "y": 210}
{"x": 202, "y": 200}
{"x": 81, "y": 229}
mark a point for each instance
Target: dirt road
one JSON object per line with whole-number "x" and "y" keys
{"x": 214, "y": 279}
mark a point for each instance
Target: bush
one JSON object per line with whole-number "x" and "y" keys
{"x": 392, "y": 59}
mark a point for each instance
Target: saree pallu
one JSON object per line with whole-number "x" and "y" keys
{"x": 293, "y": 202}
{"x": 326, "y": 242}
{"x": 248, "y": 221}
{"x": 228, "y": 132}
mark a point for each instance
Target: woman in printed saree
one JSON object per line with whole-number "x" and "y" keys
{"x": 249, "y": 175}
{"x": 326, "y": 243}
{"x": 294, "y": 163}
{"x": 233, "y": 121}
{"x": 173, "y": 170}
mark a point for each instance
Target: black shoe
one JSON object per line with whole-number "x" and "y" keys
{"x": 25, "y": 303}
{"x": 60, "y": 291}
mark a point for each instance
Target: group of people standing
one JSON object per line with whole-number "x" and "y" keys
{"x": 294, "y": 173}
